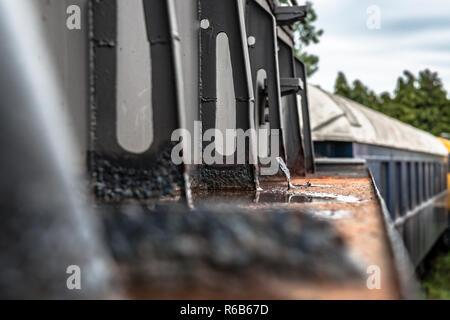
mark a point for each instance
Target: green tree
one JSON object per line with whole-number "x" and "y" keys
{"x": 405, "y": 98}
{"x": 432, "y": 105}
{"x": 357, "y": 92}
{"x": 341, "y": 86}
{"x": 360, "y": 93}
{"x": 419, "y": 101}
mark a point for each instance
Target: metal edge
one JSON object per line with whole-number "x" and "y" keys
{"x": 263, "y": 4}
{"x": 179, "y": 84}
{"x": 407, "y": 283}
{"x": 251, "y": 103}
{"x": 412, "y": 213}
{"x": 284, "y": 36}
{"x": 306, "y": 120}
{"x": 349, "y": 161}
{"x": 281, "y": 35}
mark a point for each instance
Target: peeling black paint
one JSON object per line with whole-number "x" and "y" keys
{"x": 236, "y": 177}
{"x": 115, "y": 179}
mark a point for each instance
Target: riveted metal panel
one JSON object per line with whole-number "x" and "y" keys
{"x": 263, "y": 56}
{"x": 225, "y": 17}
{"x": 118, "y": 173}
{"x": 289, "y": 114}
{"x": 262, "y": 44}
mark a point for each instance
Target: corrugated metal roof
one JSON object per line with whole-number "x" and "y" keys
{"x": 334, "y": 118}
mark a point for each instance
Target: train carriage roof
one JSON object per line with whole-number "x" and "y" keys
{"x": 334, "y": 118}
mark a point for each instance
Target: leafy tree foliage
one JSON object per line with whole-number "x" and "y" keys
{"x": 308, "y": 34}
{"x": 419, "y": 101}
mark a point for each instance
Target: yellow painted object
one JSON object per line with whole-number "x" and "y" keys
{"x": 447, "y": 145}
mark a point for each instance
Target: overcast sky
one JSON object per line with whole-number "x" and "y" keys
{"x": 414, "y": 35}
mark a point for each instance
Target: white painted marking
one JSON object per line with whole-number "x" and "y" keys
{"x": 134, "y": 93}
{"x": 226, "y": 98}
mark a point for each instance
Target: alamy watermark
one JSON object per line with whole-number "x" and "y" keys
{"x": 373, "y": 21}
{"x": 233, "y": 147}
{"x": 374, "y": 279}
{"x": 73, "y": 21}
{"x": 74, "y": 280}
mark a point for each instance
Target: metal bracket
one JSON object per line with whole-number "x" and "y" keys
{"x": 290, "y": 86}
{"x": 288, "y": 15}
{"x": 300, "y": 71}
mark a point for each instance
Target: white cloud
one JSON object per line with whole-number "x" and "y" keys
{"x": 414, "y": 35}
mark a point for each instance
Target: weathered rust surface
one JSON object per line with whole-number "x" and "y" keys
{"x": 364, "y": 233}
{"x": 311, "y": 242}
